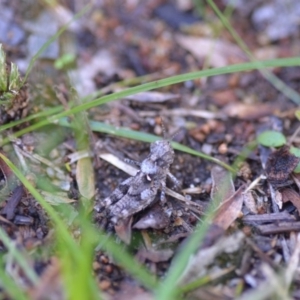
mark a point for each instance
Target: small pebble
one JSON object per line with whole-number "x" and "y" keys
{"x": 104, "y": 285}
{"x": 223, "y": 148}
{"x": 50, "y": 172}
{"x": 178, "y": 222}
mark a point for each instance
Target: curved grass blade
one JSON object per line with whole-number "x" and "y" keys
{"x": 284, "y": 62}
{"x": 167, "y": 290}
{"x": 73, "y": 249}
{"x": 63, "y": 232}
{"x": 274, "y": 80}
{"x": 145, "y": 137}
{"x": 48, "y": 112}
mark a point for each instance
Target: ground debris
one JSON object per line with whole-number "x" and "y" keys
{"x": 268, "y": 218}
{"x": 253, "y": 233}
{"x": 280, "y": 165}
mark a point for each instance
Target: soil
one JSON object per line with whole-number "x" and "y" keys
{"x": 118, "y": 45}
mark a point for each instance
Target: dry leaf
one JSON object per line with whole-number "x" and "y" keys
{"x": 154, "y": 97}
{"x": 230, "y": 209}
{"x": 85, "y": 177}
{"x": 292, "y": 196}
{"x": 120, "y": 164}
{"x": 296, "y": 178}
{"x": 280, "y": 165}
{"x": 278, "y": 199}
{"x": 123, "y": 230}
{"x": 224, "y": 97}
{"x": 246, "y": 111}
{"x": 222, "y": 184}
{"x": 250, "y": 202}
{"x": 218, "y": 52}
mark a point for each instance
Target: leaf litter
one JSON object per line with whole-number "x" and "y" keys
{"x": 253, "y": 231}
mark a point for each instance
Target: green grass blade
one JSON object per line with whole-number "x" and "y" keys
{"x": 167, "y": 289}
{"x": 277, "y": 83}
{"x": 72, "y": 254}
{"x": 45, "y": 113}
{"x": 61, "y": 228}
{"x": 124, "y": 259}
{"x": 145, "y": 137}
{"x": 110, "y": 246}
{"x": 284, "y": 62}
{"x": 81, "y": 270}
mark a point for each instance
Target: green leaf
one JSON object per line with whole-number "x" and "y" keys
{"x": 85, "y": 177}
{"x": 65, "y": 61}
{"x": 297, "y": 114}
{"x": 3, "y": 74}
{"x": 14, "y": 78}
{"x": 271, "y": 138}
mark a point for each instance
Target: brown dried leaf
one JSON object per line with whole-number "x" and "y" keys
{"x": 85, "y": 177}
{"x": 222, "y": 184}
{"x": 224, "y": 97}
{"x": 219, "y": 52}
{"x": 246, "y": 111}
{"x": 123, "y": 230}
{"x": 280, "y": 165}
{"x": 296, "y": 178}
{"x": 278, "y": 199}
{"x": 230, "y": 209}
{"x": 250, "y": 202}
{"x": 292, "y": 196}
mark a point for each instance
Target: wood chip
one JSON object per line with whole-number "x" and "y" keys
{"x": 268, "y": 218}
{"x": 281, "y": 227}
